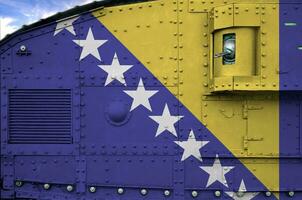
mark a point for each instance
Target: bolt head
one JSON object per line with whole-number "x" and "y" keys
{"x": 69, "y": 188}
{"x": 217, "y": 193}
{"x": 144, "y": 192}
{"x": 291, "y": 193}
{"x": 19, "y": 183}
{"x": 92, "y": 189}
{"x": 46, "y": 186}
{"x": 194, "y": 193}
{"x": 268, "y": 194}
{"x": 120, "y": 190}
{"x": 22, "y": 48}
{"x": 167, "y": 193}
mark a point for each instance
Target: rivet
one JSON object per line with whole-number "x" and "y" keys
{"x": 18, "y": 183}
{"x": 69, "y": 188}
{"x": 217, "y": 193}
{"x": 92, "y": 189}
{"x": 120, "y": 190}
{"x": 167, "y": 193}
{"x": 144, "y": 192}
{"x": 46, "y": 186}
{"x": 268, "y": 194}
{"x": 291, "y": 193}
{"x": 240, "y": 194}
{"x": 194, "y": 194}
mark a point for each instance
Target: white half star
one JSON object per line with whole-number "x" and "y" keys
{"x": 66, "y": 24}
{"x": 90, "y": 45}
{"x": 115, "y": 71}
{"x": 217, "y": 172}
{"x": 166, "y": 122}
{"x": 141, "y": 96}
{"x": 242, "y": 193}
{"x": 191, "y": 147}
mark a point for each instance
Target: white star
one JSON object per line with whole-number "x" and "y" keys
{"x": 216, "y": 172}
{"x": 66, "y": 24}
{"x": 166, "y": 122}
{"x": 115, "y": 71}
{"x": 242, "y": 194}
{"x": 191, "y": 147}
{"x": 141, "y": 96}
{"x": 90, "y": 45}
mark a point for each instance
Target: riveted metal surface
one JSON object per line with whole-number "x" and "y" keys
{"x": 6, "y": 61}
{"x": 116, "y": 141}
{"x": 138, "y": 142}
{"x": 198, "y": 6}
{"x": 161, "y": 28}
{"x": 42, "y": 169}
{"x": 290, "y": 141}
{"x": 247, "y": 14}
{"x": 290, "y": 41}
{"x": 269, "y": 49}
{"x": 47, "y": 71}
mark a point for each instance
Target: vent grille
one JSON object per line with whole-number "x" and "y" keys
{"x": 40, "y": 116}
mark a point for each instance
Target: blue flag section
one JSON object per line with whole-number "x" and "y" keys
{"x": 136, "y": 139}
{"x": 290, "y": 98}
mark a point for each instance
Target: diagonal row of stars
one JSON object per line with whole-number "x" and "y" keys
{"x": 166, "y": 121}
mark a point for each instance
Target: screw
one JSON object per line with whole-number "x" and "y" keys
{"x": 194, "y": 193}
{"x": 92, "y": 189}
{"x": 69, "y": 188}
{"x": 19, "y": 183}
{"x": 120, "y": 190}
{"x": 291, "y": 193}
{"x": 268, "y": 194}
{"x": 46, "y": 186}
{"x": 144, "y": 192}
{"x": 167, "y": 193}
{"x": 217, "y": 193}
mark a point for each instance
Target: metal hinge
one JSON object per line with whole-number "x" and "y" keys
{"x": 246, "y": 108}
{"x": 247, "y": 139}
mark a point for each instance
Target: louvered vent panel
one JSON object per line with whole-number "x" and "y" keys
{"x": 40, "y": 116}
